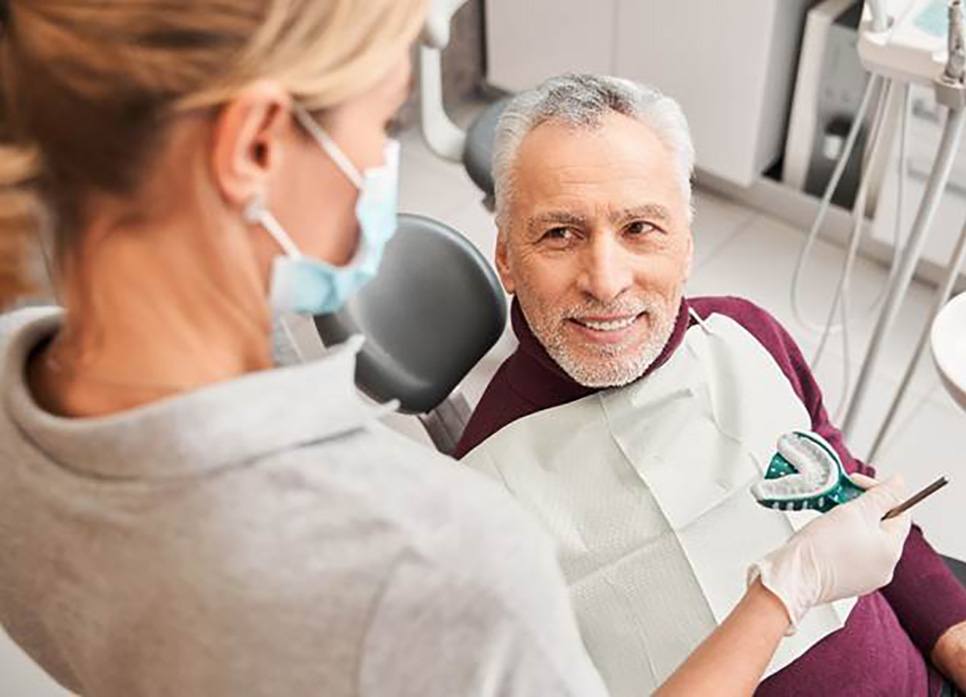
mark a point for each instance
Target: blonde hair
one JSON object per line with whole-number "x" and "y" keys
{"x": 87, "y": 86}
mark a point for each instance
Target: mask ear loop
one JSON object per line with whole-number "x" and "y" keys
{"x": 327, "y": 144}
{"x": 256, "y": 213}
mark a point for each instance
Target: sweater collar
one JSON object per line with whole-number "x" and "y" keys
{"x": 214, "y": 427}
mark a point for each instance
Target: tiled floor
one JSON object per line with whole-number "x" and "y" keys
{"x": 739, "y": 252}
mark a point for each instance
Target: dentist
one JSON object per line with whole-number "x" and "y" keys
{"x": 179, "y": 517}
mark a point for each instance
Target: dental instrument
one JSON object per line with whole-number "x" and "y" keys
{"x": 916, "y": 498}
{"x": 805, "y": 473}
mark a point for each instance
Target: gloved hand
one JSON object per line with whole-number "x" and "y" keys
{"x": 849, "y": 551}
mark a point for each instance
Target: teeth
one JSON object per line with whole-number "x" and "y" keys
{"x": 612, "y": 326}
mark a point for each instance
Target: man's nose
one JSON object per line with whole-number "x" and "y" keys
{"x": 606, "y": 270}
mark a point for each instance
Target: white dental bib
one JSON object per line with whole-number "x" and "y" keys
{"x": 646, "y": 492}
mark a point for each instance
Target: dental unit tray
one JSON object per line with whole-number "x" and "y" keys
{"x": 914, "y": 47}
{"x": 805, "y": 473}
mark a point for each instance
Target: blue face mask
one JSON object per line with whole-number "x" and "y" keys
{"x": 309, "y": 286}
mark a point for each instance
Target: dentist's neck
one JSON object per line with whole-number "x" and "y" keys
{"x": 154, "y": 310}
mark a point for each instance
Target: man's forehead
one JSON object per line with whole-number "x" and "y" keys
{"x": 620, "y": 164}
{"x": 617, "y": 140}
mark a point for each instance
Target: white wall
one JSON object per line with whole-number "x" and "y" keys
{"x": 730, "y": 64}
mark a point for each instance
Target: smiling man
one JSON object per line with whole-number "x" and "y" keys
{"x": 571, "y": 282}
{"x": 632, "y": 420}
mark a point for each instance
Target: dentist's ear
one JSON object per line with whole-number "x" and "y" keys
{"x": 503, "y": 262}
{"x": 247, "y": 140}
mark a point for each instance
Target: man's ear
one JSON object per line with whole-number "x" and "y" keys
{"x": 503, "y": 262}
{"x": 247, "y": 141}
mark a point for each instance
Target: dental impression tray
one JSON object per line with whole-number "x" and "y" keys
{"x": 805, "y": 473}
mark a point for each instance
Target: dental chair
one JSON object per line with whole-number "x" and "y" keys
{"x": 403, "y": 311}
{"x": 435, "y": 309}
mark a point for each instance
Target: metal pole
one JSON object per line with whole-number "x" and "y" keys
{"x": 942, "y": 297}
{"x": 942, "y": 167}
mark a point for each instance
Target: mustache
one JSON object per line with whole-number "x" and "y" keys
{"x": 623, "y": 307}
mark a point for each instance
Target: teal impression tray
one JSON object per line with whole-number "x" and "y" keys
{"x": 805, "y": 473}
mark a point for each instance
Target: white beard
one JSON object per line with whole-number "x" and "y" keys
{"x": 615, "y": 365}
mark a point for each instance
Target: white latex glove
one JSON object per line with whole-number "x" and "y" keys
{"x": 849, "y": 551}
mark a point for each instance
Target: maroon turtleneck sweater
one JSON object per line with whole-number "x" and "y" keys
{"x": 881, "y": 650}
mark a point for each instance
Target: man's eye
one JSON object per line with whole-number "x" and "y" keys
{"x": 564, "y": 234}
{"x": 639, "y": 228}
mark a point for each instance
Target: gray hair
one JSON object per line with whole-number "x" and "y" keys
{"x": 582, "y": 101}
